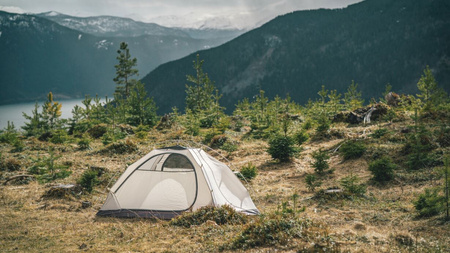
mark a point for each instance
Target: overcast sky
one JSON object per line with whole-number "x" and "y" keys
{"x": 149, "y": 10}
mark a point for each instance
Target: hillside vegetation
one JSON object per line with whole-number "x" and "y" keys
{"x": 330, "y": 175}
{"x": 373, "y": 43}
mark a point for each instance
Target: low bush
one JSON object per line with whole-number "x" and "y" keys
{"x": 378, "y": 133}
{"x": 229, "y": 146}
{"x": 11, "y": 164}
{"x": 320, "y": 163}
{"x": 98, "y": 131}
{"x": 122, "y": 147}
{"x": 382, "y": 169}
{"x": 59, "y": 136}
{"x": 46, "y": 169}
{"x": 282, "y": 148}
{"x": 352, "y": 149}
{"x": 351, "y": 186}
{"x": 429, "y": 203}
{"x": 301, "y": 137}
{"x": 220, "y": 215}
{"x": 84, "y": 143}
{"x": 248, "y": 172}
{"x": 312, "y": 182}
{"x": 88, "y": 180}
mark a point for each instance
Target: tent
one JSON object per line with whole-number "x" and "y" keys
{"x": 169, "y": 181}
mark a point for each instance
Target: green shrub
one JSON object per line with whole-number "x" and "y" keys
{"x": 141, "y": 131}
{"x": 9, "y": 134}
{"x": 98, "y": 131}
{"x": 84, "y": 142}
{"x": 88, "y": 180}
{"x": 11, "y": 164}
{"x": 382, "y": 169}
{"x": 429, "y": 203}
{"x": 59, "y": 136}
{"x": 282, "y": 148}
{"x": 352, "y": 149}
{"x": 248, "y": 172}
{"x": 443, "y": 136}
{"x": 229, "y": 146}
{"x": 220, "y": 215}
{"x": 46, "y": 169}
{"x": 218, "y": 140}
{"x": 351, "y": 186}
{"x": 323, "y": 124}
{"x": 112, "y": 135}
{"x": 122, "y": 147}
{"x": 378, "y": 133}
{"x": 312, "y": 182}
{"x": 320, "y": 163}
{"x": 301, "y": 137}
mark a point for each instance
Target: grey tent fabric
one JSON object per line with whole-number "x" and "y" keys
{"x": 169, "y": 181}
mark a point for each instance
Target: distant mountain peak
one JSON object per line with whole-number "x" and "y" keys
{"x": 51, "y": 14}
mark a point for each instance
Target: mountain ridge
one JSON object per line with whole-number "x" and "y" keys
{"x": 374, "y": 43}
{"x": 40, "y": 55}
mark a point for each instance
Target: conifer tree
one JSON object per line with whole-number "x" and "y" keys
{"x": 125, "y": 70}
{"x": 51, "y": 111}
{"x": 142, "y": 110}
{"x": 431, "y": 94}
{"x": 353, "y": 98}
{"x": 199, "y": 96}
{"x": 35, "y": 124}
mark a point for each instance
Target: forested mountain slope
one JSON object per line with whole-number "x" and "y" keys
{"x": 374, "y": 43}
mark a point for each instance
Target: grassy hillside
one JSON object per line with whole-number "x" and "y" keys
{"x": 383, "y": 218}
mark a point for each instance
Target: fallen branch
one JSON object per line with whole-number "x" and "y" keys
{"x": 17, "y": 177}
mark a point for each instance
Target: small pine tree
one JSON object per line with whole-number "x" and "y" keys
{"x": 35, "y": 125}
{"x": 320, "y": 163}
{"x": 282, "y": 148}
{"x": 125, "y": 70}
{"x": 142, "y": 110}
{"x": 353, "y": 98}
{"x": 382, "y": 169}
{"x": 199, "y": 96}
{"x": 51, "y": 111}
{"x": 431, "y": 94}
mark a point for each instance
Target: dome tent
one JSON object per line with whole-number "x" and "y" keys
{"x": 169, "y": 181}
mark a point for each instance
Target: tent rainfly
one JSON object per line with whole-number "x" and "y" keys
{"x": 169, "y": 181}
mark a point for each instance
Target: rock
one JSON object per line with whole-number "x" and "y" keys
{"x": 404, "y": 239}
{"x": 63, "y": 191}
{"x": 211, "y": 223}
{"x": 85, "y": 204}
{"x": 360, "y": 226}
{"x": 392, "y": 99}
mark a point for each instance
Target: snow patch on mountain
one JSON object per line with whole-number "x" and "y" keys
{"x": 52, "y": 14}
{"x": 104, "y": 44}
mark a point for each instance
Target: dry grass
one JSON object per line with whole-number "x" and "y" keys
{"x": 383, "y": 221}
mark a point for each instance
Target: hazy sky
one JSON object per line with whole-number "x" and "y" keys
{"x": 147, "y": 10}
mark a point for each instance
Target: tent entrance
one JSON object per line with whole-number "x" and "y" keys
{"x": 165, "y": 182}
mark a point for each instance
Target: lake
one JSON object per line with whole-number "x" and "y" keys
{"x": 13, "y": 112}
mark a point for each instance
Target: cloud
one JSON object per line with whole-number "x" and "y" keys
{"x": 145, "y": 10}
{"x": 12, "y": 9}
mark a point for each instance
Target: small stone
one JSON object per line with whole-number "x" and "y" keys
{"x": 86, "y": 204}
{"x": 83, "y": 246}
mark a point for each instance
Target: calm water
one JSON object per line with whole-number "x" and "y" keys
{"x": 13, "y": 112}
